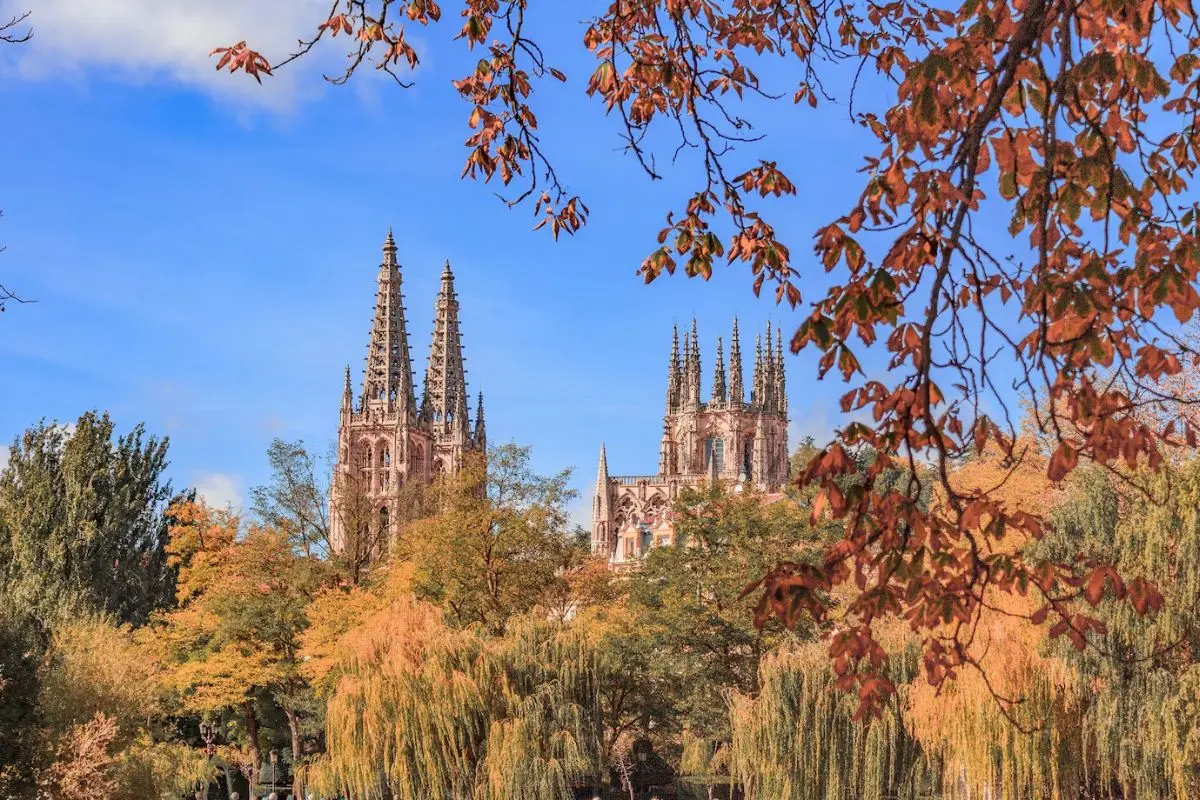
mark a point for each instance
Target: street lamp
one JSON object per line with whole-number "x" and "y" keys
{"x": 274, "y": 771}
{"x": 208, "y": 732}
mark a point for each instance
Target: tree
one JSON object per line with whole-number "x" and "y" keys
{"x": 690, "y": 599}
{"x": 242, "y": 608}
{"x": 489, "y": 555}
{"x": 297, "y": 499}
{"x": 1072, "y": 118}
{"x": 82, "y": 520}
{"x": 23, "y": 642}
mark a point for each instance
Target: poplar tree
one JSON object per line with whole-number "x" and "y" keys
{"x": 82, "y": 520}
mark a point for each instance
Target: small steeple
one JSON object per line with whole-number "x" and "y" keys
{"x": 480, "y": 428}
{"x": 347, "y": 393}
{"x": 768, "y": 377}
{"x": 600, "y": 499}
{"x": 445, "y": 379}
{"x": 718, "y": 392}
{"x": 693, "y": 377}
{"x": 387, "y": 378}
{"x": 737, "y": 394}
{"x": 602, "y": 469}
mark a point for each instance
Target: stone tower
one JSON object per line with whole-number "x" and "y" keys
{"x": 728, "y": 438}
{"x": 386, "y": 440}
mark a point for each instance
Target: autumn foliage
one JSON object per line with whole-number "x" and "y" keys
{"x": 1074, "y": 119}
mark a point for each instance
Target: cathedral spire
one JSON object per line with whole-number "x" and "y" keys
{"x": 756, "y": 394}
{"x": 718, "y": 392}
{"x": 780, "y": 380}
{"x": 693, "y": 377}
{"x": 736, "y": 393}
{"x": 673, "y": 372}
{"x": 387, "y": 378}
{"x": 768, "y": 377}
{"x": 347, "y": 393}
{"x": 445, "y": 381}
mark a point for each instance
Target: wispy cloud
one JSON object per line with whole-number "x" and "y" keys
{"x": 145, "y": 41}
{"x": 4, "y": 452}
{"x": 219, "y": 490}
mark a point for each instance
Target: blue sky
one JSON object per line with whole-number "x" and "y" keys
{"x": 203, "y": 251}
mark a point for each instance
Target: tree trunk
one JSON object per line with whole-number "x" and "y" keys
{"x": 255, "y": 752}
{"x": 294, "y": 727}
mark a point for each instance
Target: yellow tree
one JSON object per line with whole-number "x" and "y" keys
{"x": 235, "y": 635}
{"x": 497, "y": 543}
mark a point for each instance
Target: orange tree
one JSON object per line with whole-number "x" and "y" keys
{"x": 1074, "y": 118}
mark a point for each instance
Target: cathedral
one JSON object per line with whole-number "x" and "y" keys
{"x": 726, "y": 439}
{"x": 385, "y": 439}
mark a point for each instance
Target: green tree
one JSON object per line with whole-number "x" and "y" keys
{"x": 297, "y": 498}
{"x": 82, "y": 524}
{"x": 23, "y": 642}
{"x": 688, "y": 598}
{"x": 498, "y": 541}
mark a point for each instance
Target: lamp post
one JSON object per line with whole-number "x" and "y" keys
{"x": 208, "y": 732}
{"x": 274, "y": 770}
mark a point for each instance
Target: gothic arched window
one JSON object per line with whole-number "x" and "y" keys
{"x": 748, "y": 458}
{"x": 719, "y": 454}
{"x": 385, "y": 458}
{"x": 384, "y": 521}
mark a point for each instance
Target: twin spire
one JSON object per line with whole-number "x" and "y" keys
{"x": 388, "y": 381}
{"x": 768, "y": 391}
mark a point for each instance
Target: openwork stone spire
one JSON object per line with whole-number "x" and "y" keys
{"x": 718, "y": 392}
{"x": 674, "y": 372}
{"x": 445, "y": 379}
{"x": 737, "y": 394}
{"x": 693, "y": 368}
{"x": 387, "y": 378}
{"x": 780, "y": 379}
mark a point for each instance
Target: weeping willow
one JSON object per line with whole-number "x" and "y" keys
{"x": 797, "y": 740}
{"x": 1140, "y": 730}
{"x": 421, "y": 710}
{"x": 1119, "y": 720}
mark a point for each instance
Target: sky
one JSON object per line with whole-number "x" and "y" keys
{"x": 203, "y": 250}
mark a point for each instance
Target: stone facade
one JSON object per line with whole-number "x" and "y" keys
{"x": 386, "y": 440}
{"x": 727, "y": 438}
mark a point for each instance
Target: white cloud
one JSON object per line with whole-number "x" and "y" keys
{"x": 4, "y": 454}
{"x": 154, "y": 40}
{"x": 219, "y": 490}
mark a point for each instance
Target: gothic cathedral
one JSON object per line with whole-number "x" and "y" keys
{"x": 386, "y": 440}
{"x": 725, "y": 439}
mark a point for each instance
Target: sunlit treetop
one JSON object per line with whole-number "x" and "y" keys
{"x": 1074, "y": 118}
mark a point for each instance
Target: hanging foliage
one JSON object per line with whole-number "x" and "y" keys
{"x": 422, "y": 709}
{"x": 799, "y": 739}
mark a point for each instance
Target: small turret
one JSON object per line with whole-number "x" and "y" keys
{"x": 347, "y": 394}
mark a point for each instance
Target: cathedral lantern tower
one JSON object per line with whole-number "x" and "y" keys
{"x": 728, "y": 439}
{"x": 385, "y": 439}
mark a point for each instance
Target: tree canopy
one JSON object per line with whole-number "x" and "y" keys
{"x": 1072, "y": 119}
{"x": 83, "y": 522}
